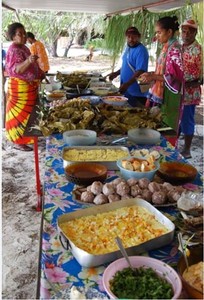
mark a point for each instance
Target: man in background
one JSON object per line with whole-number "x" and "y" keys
{"x": 193, "y": 72}
{"x": 134, "y": 63}
{"x": 37, "y": 48}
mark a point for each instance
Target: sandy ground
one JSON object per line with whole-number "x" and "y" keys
{"x": 20, "y": 221}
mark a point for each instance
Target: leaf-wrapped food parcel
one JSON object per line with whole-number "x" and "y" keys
{"x": 87, "y": 117}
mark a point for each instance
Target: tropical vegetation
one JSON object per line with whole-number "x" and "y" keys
{"x": 95, "y": 30}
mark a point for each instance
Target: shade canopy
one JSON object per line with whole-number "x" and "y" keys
{"x": 95, "y": 6}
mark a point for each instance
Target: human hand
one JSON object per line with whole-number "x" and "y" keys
{"x": 33, "y": 58}
{"x": 146, "y": 77}
{"x": 112, "y": 76}
{"x": 123, "y": 88}
{"x": 193, "y": 84}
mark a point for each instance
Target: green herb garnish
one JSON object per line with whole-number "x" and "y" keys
{"x": 143, "y": 284}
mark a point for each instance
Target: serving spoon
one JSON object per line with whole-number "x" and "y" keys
{"x": 124, "y": 253}
{"x": 183, "y": 250}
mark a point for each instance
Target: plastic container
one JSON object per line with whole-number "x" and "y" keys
{"x": 127, "y": 174}
{"x": 196, "y": 255}
{"x": 115, "y": 100}
{"x": 144, "y": 136}
{"x": 80, "y": 137}
{"x": 85, "y": 173}
{"x": 161, "y": 268}
{"x": 177, "y": 172}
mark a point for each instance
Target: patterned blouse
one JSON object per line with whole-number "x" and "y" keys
{"x": 169, "y": 64}
{"x": 17, "y": 54}
{"x": 192, "y": 62}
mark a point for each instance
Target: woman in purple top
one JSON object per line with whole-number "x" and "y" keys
{"x": 24, "y": 79}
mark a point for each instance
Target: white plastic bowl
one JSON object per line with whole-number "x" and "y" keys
{"x": 127, "y": 174}
{"x": 144, "y": 136}
{"x": 115, "y": 100}
{"x": 80, "y": 137}
{"x": 161, "y": 268}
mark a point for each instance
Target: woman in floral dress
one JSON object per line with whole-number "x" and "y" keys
{"x": 193, "y": 72}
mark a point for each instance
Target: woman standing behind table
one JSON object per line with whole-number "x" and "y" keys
{"x": 167, "y": 88}
{"x": 24, "y": 79}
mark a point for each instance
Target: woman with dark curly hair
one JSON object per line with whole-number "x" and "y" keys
{"x": 167, "y": 80}
{"x": 24, "y": 79}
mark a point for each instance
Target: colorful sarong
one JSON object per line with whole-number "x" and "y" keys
{"x": 21, "y": 99}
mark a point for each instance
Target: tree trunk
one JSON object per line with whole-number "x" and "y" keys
{"x": 54, "y": 49}
{"x": 69, "y": 44}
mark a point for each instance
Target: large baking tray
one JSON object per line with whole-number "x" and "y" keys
{"x": 86, "y": 259}
{"x": 111, "y": 165}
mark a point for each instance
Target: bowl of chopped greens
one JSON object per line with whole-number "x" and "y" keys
{"x": 150, "y": 279}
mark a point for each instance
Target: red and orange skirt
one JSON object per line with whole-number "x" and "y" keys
{"x": 21, "y": 99}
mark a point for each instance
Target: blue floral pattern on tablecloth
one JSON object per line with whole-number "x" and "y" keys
{"x": 59, "y": 269}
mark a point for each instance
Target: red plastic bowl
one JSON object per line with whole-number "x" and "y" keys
{"x": 85, "y": 173}
{"x": 177, "y": 172}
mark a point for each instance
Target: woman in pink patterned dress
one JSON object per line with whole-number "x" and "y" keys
{"x": 193, "y": 70}
{"x": 167, "y": 80}
{"x": 24, "y": 79}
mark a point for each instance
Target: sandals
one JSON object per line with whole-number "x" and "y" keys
{"x": 186, "y": 155}
{"x": 22, "y": 147}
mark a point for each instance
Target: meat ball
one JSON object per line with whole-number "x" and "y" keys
{"x": 108, "y": 189}
{"x": 88, "y": 188}
{"x": 122, "y": 189}
{"x": 87, "y": 197}
{"x": 117, "y": 181}
{"x": 135, "y": 190}
{"x": 100, "y": 199}
{"x": 154, "y": 187}
{"x": 168, "y": 186}
{"x": 132, "y": 181}
{"x": 173, "y": 196}
{"x": 96, "y": 187}
{"x": 159, "y": 197}
{"x": 179, "y": 189}
{"x": 113, "y": 198}
{"x": 147, "y": 195}
{"x": 143, "y": 183}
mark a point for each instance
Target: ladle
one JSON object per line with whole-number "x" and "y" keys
{"x": 124, "y": 253}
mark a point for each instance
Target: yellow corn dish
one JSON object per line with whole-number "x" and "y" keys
{"x": 96, "y": 234}
{"x": 94, "y": 154}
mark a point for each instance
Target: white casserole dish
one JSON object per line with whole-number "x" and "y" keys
{"x": 86, "y": 259}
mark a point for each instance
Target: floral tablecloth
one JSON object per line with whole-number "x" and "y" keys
{"x": 58, "y": 268}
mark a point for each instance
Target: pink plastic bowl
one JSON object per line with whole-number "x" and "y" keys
{"x": 161, "y": 268}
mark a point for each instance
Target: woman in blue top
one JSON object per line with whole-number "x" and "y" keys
{"x": 134, "y": 63}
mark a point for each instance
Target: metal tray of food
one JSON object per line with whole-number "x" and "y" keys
{"x": 110, "y": 164}
{"x": 86, "y": 259}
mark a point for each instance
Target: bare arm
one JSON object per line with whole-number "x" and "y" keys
{"x": 150, "y": 76}
{"x": 113, "y": 74}
{"x": 126, "y": 85}
{"x": 22, "y": 67}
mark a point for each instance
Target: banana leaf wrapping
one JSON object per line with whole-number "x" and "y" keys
{"x": 80, "y": 114}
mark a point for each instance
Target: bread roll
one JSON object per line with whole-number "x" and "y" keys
{"x": 127, "y": 165}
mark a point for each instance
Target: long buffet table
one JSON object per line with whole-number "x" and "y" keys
{"x": 58, "y": 269}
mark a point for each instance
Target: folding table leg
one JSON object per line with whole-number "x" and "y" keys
{"x": 37, "y": 174}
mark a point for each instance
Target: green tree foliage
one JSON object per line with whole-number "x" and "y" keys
{"x": 49, "y": 26}
{"x": 197, "y": 12}
{"x": 145, "y": 21}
